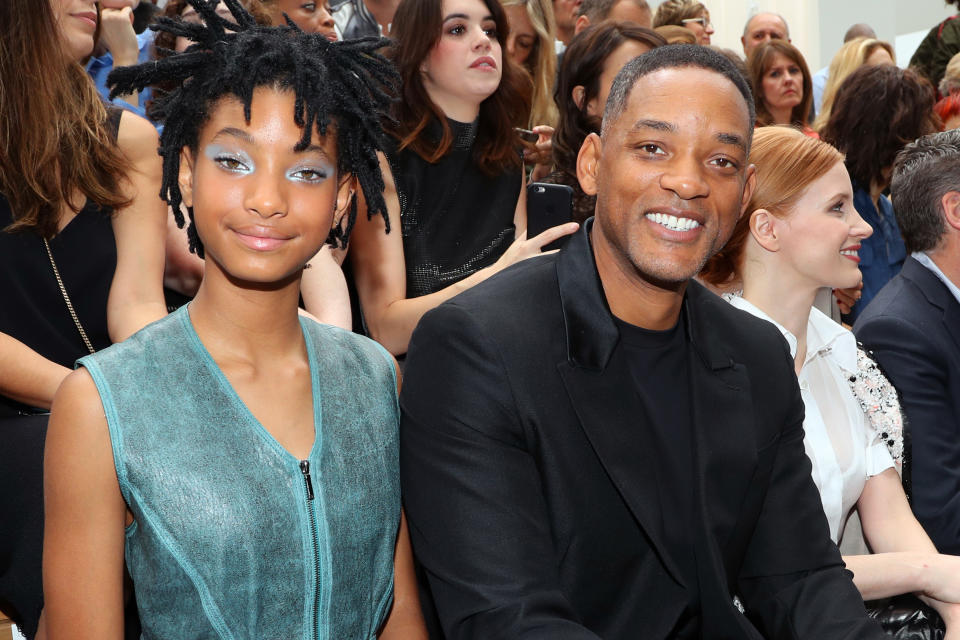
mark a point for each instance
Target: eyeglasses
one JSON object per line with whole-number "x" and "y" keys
{"x": 705, "y": 23}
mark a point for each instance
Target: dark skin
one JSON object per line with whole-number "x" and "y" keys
{"x": 678, "y": 149}
{"x": 256, "y": 204}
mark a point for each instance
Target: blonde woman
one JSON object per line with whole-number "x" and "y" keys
{"x": 851, "y": 56}
{"x": 685, "y": 13}
{"x": 530, "y": 45}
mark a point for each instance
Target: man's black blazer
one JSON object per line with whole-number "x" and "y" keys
{"x": 913, "y": 329}
{"x": 531, "y": 502}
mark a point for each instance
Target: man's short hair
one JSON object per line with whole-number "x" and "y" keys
{"x": 859, "y": 30}
{"x": 673, "y": 56}
{"x": 923, "y": 172}
{"x": 786, "y": 27}
{"x": 598, "y": 10}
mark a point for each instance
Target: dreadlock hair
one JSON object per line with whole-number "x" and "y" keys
{"x": 344, "y": 84}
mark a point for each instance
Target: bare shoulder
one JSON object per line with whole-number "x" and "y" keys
{"x": 137, "y": 138}
{"x": 77, "y": 418}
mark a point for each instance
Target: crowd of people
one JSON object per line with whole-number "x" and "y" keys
{"x": 280, "y": 359}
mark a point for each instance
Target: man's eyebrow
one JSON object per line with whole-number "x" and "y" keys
{"x": 734, "y": 139}
{"x": 658, "y": 125}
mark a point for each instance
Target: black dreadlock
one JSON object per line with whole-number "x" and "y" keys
{"x": 347, "y": 83}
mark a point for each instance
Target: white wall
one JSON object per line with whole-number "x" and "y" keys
{"x": 817, "y": 26}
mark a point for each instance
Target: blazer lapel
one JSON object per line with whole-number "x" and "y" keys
{"x": 937, "y": 293}
{"x": 609, "y": 411}
{"x": 601, "y": 389}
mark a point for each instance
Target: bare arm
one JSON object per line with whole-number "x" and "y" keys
{"x": 324, "y": 289}
{"x": 84, "y": 523}
{"x": 379, "y": 267}
{"x": 905, "y": 560}
{"x": 26, "y": 376}
{"x": 406, "y": 619}
{"x": 136, "y": 294}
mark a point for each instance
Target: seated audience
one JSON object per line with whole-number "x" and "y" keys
{"x": 673, "y": 34}
{"x": 950, "y": 84}
{"x": 941, "y": 43}
{"x": 363, "y": 18}
{"x": 801, "y": 233}
{"x": 878, "y": 109}
{"x": 851, "y": 56}
{"x": 948, "y": 110}
{"x": 763, "y": 27}
{"x": 119, "y": 44}
{"x": 596, "y": 11}
{"x": 81, "y": 251}
{"x": 592, "y": 445}
{"x": 454, "y": 180}
{"x": 589, "y": 66}
{"x": 530, "y": 46}
{"x": 781, "y": 85}
{"x": 912, "y": 327}
{"x": 685, "y": 13}
{"x": 312, "y": 17}
{"x": 269, "y": 507}
{"x": 565, "y": 15}
{"x": 819, "y": 80}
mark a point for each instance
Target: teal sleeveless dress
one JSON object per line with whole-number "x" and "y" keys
{"x": 233, "y": 537}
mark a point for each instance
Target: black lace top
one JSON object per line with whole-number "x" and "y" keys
{"x": 455, "y": 220}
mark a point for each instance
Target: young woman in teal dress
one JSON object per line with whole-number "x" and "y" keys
{"x": 239, "y": 461}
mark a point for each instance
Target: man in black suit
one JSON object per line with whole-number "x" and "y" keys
{"x": 593, "y": 445}
{"x": 913, "y": 328}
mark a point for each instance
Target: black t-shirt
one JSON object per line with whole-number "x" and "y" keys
{"x": 659, "y": 364}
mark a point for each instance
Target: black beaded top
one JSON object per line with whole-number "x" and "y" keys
{"x": 455, "y": 219}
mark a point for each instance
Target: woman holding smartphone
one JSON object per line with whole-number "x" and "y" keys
{"x": 454, "y": 181}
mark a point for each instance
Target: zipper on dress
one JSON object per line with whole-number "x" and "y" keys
{"x": 305, "y": 470}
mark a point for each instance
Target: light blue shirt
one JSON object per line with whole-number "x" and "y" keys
{"x": 819, "y": 81}
{"x": 100, "y": 67}
{"x": 928, "y": 262}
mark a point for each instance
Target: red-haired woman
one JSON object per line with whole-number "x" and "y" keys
{"x": 454, "y": 183}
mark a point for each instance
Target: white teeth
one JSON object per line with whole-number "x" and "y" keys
{"x": 672, "y": 222}
{"x": 849, "y": 252}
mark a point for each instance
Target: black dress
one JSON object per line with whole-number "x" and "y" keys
{"x": 33, "y": 311}
{"x": 455, "y": 220}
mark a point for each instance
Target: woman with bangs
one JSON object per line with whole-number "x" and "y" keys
{"x": 801, "y": 232}
{"x": 454, "y": 179}
{"x": 782, "y": 88}
{"x": 81, "y": 250}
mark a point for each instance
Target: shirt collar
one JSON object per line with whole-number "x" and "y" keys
{"x": 927, "y": 261}
{"x": 824, "y": 336}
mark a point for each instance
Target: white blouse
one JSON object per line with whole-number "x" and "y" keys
{"x": 844, "y": 449}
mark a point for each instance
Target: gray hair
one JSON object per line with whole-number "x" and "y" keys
{"x": 924, "y": 171}
{"x": 951, "y": 77}
{"x": 746, "y": 26}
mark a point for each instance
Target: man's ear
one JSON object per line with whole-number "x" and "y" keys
{"x": 763, "y": 228}
{"x": 582, "y": 23}
{"x": 185, "y": 176}
{"x": 588, "y": 164}
{"x": 950, "y": 202}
